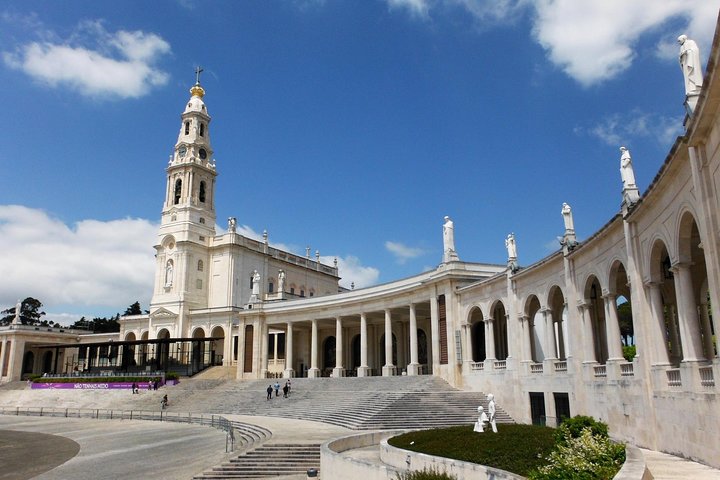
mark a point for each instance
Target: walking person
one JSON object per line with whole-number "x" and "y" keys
{"x": 285, "y": 390}
{"x": 164, "y": 402}
{"x": 269, "y": 392}
{"x": 277, "y": 389}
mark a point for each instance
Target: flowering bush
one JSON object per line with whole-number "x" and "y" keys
{"x": 585, "y": 457}
{"x": 425, "y": 474}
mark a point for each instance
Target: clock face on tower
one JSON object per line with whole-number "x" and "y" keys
{"x": 182, "y": 151}
{"x": 203, "y": 153}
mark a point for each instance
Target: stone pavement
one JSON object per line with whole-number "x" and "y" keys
{"x": 669, "y": 467}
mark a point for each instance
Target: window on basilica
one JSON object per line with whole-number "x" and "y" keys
{"x": 178, "y": 190}
{"x": 187, "y": 128}
{"x": 201, "y": 266}
{"x": 201, "y": 194}
{"x": 202, "y": 129}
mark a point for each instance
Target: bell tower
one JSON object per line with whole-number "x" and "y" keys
{"x": 188, "y": 215}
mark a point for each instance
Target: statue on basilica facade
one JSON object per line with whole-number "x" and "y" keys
{"x": 169, "y": 274}
{"x": 511, "y": 247}
{"x": 626, "y": 168}
{"x": 18, "y": 309}
{"x": 232, "y": 224}
{"x": 281, "y": 281}
{"x": 256, "y": 283}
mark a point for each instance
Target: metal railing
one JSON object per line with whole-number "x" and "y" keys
{"x": 214, "y": 421}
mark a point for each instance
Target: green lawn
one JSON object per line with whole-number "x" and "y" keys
{"x": 515, "y": 448}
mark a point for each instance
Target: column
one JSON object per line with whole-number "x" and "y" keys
{"x": 587, "y": 333}
{"x": 525, "y": 345}
{"x": 314, "y": 372}
{"x": 241, "y": 350}
{"x": 435, "y": 333}
{"x": 264, "y": 340}
{"x": 339, "y": 370}
{"x": 550, "y": 353}
{"x": 414, "y": 367}
{"x": 276, "y": 336}
{"x": 676, "y": 355}
{"x": 489, "y": 344}
{"x": 363, "y": 370}
{"x": 388, "y": 369}
{"x": 289, "y": 361}
{"x": 612, "y": 328}
{"x": 687, "y": 314}
{"x": 3, "y": 352}
{"x": 468, "y": 357}
{"x": 657, "y": 326}
{"x": 11, "y": 374}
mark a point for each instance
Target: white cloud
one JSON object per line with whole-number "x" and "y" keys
{"x": 417, "y": 8}
{"x": 402, "y": 252}
{"x": 92, "y": 263}
{"x": 595, "y": 40}
{"x": 352, "y": 271}
{"x": 622, "y": 129}
{"x": 95, "y": 62}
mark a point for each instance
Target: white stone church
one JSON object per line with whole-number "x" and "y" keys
{"x": 545, "y": 338}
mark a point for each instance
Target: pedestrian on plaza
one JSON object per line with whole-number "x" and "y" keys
{"x": 269, "y": 392}
{"x": 155, "y": 384}
{"x": 164, "y": 402}
{"x": 288, "y": 386}
{"x": 277, "y": 388}
{"x": 149, "y": 385}
{"x": 134, "y": 388}
{"x": 285, "y": 390}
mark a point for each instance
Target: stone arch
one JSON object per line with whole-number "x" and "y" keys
{"x": 619, "y": 287}
{"x": 557, "y": 303}
{"x": 536, "y": 328}
{"x": 217, "y": 348}
{"x": 163, "y": 333}
{"x": 593, "y": 293}
{"x": 500, "y": 337}
{"x": 28, "y": 365}
{"x": 696, "y": 330}
{"x": 198, "y": 332}
{"x": 477, "y": 331}
{"x": 128, "y": 358}
{"x": 665, "y": 310}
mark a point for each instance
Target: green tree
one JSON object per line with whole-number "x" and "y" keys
{"x": 30, "y": 313}
{"x": 133, "y": 309}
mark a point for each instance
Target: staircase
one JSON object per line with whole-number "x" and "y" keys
{"x": 370, "y": 403}
{"x": 269, "y": 460}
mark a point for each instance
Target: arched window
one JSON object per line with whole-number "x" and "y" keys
{"x": 178, "y": 190}
{"x": 187, "y": 128}
{"x": 201, "y": 265}
{"x": 202, "y": 129}
{"x": 202, "y": 220}
{"x": 201, "y": 195}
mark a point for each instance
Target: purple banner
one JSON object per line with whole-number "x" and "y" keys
{"x": 94, "y": 385}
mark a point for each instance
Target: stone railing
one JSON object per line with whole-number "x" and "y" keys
{"x": 500, "y": 364}
{"x": 706, "y": 377}
{"x": 673, "y": 378}
{"x": 627, "y": 370}
{"x": 561, "y": 366}
{"x": 477, "y": 366}
{"x": 536, "y": 368}
{"x": 600, "y": 371}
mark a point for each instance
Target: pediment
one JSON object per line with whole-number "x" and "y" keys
{"x": 162, "y": 313}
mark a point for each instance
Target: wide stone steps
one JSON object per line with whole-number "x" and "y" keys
{"x": 269, "y": 460}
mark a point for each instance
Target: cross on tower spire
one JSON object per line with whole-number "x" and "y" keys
{"x": 198, "y": 71}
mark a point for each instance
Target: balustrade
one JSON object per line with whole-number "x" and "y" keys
{"x": 561, "y": 366}
{"x": 477, "y": 366}
{"x": 706, "y": 377}
{"x": 500, "y": 364}
{"x": 673, "y": 378}
{"x": 600, "y": 371}
{"x": 627, "y": 370}
{"x": 536, "y": 368}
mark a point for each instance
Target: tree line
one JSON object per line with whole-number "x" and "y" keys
{"x": 31, "y": 314}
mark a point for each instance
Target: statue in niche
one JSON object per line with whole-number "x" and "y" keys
{"x": 482, "y": 419}
{"x": 256, "y": 283}
{"x": 232, "y": 224}
{"x": 169, "y": 274}
{"x": 568, "y": 218}
{"x": 281, "y": 281}
{"x": 511, "y": 247}
{"x": 690, "y": 64}
{"x": 491, "y": 412}
{"x": 626, "y": 169}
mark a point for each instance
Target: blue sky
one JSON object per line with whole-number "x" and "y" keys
{"x": 351, "y": 127}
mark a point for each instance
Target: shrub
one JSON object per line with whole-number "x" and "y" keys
{"x": 586, "y": 457}
{"x": 629, "y": 352}
{"x": 172, "y": 376}
{"x": 573, "y": 427}
{"x": 425, "y": 474}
